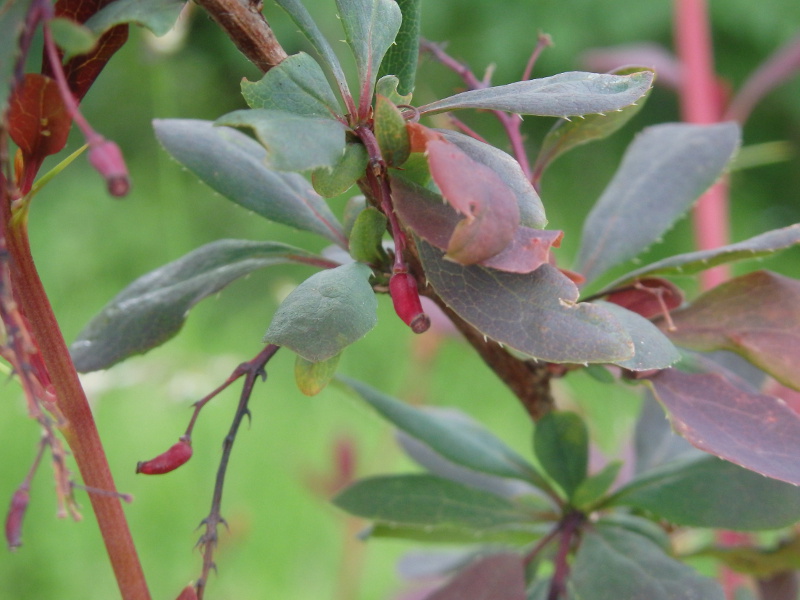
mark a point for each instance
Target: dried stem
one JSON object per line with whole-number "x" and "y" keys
{"x": 248, "y": 29}
{"x": 251, "y": 370}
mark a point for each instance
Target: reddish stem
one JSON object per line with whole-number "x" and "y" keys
{"x": 700, "y": 101}
{"x": 79, "y": 428}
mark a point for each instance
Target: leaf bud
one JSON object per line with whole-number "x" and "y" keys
{"x": 170, "y": 460}
{"x": 407, "y": 304}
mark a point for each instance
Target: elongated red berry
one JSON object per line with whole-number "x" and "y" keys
{"x": 107, "y": 160}
{"x": 407, "y": 305}
{"x": 168, "y": 461}
{"x": 16, "y": 512}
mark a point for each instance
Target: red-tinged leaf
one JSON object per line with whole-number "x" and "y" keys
{"x": 419, "y": 136}
{"x": 648, "y": 297}
{"x": 537, "y": 314}
{"x": 15, "y": 516}
{"x": 755, "y": 431}
{"x": 495, "y": 577}
{"x": 38, "y": 121}
{"x": 756, "y": 315}
{"x": 529, "y": 249}
{"x": 188, "y": 593}
{"x": 477, "y": 192}
{"x": 435, "y": 221}
{"x": 82, "y": 70}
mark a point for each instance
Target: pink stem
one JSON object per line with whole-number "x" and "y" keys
{"x": 701, "y": 103}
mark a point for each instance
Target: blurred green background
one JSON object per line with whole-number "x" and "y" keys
{"x": 285, "y": 541}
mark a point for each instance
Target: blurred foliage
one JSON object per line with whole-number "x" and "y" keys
{"x": 285, "y": 541}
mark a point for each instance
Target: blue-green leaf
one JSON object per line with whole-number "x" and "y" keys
{"x": 293, "y": 142}
{"x": 662, "y": 174}
{"x": 613, "y": 563}
{"x": 308, "y": 27}
{"x": 370, "y": 27}
{"x": 564, "y": 95}
{"x": 468, "y": 445}
{"x": 429, "y": 500}
{"x": 153, "y": 308}
{"x": 158, "y": 16}
{"x": 764, "y": 244}
{"x": 402, "y": 58}
{"x": 710, "y": 492}
{"x": 296, "y": 85}
{"x": 232, "y": 164}
{"x": 654, "y": 350}
{"x": 326, "y": 313}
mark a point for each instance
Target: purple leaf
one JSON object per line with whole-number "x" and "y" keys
{"x": 756, "y": 315}
{"x": 537, "y": 313}
{"x": 756, "y": 431}
{"x": 495, "y": 577}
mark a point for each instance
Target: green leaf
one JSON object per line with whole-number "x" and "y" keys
{"x": 451, "y": 534}
{"x": 370, "y": 27}
{"x": 293, "y": 142}
{"x": 73, "y": 38}
{"x": 352, "y": 209}
{"x": 639, "y": 525}
{"x": 402, "y": 58}
{"x": 567, "y": 134}
{"x": 158, "y": 16}
{"x": 153, "y": 308}
{"x": 390, "y": 132}
{"x": 296, "y": 85}
{"x": 654, "y": 350}
{"x": 312, "y": 377}
{"x": 537, "y": 314}
{"x": 231, "y": 163}
{"x": 299, "y": 14}
{"x": 387, "y": 86}
{"x": 561, "y": 443}
{"x": 330, "y": 182}
{"x": 563, "y": 95}
{"x": 427, "y": 500}
{"x": 531, "y": 209}
{"x": 663, "y": 172}
{"x": 760, "y": 562}
{"x": 613, "y": 563}
{"x": 591, "y": 489}
{"x": 326, "y": 313}
{"x": 12, "y": 24}
{"x": 764, "y": 244}
{"x": 470, "y": 445}
{"x": 709, "y": 492}
{"x": 367, "y": 236}
{"x": 756, "y": 315}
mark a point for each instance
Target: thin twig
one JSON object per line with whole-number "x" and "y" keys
{"x": 251, "y": 370}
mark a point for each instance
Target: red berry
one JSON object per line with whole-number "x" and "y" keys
{"x": 16, "y": 512}
{"x": 407, "y": 305}
{"x": 168, "y": 461}
{"x": 107, "y": 160}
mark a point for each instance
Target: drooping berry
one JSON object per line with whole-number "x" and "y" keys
{"x": 407, "y": 305}
{"x": 106, "y": 158}
{"x": 170, "y": 460}
{"x": 16, "y": 513}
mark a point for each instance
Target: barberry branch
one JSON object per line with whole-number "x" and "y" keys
{"x": 251, "y": 370}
